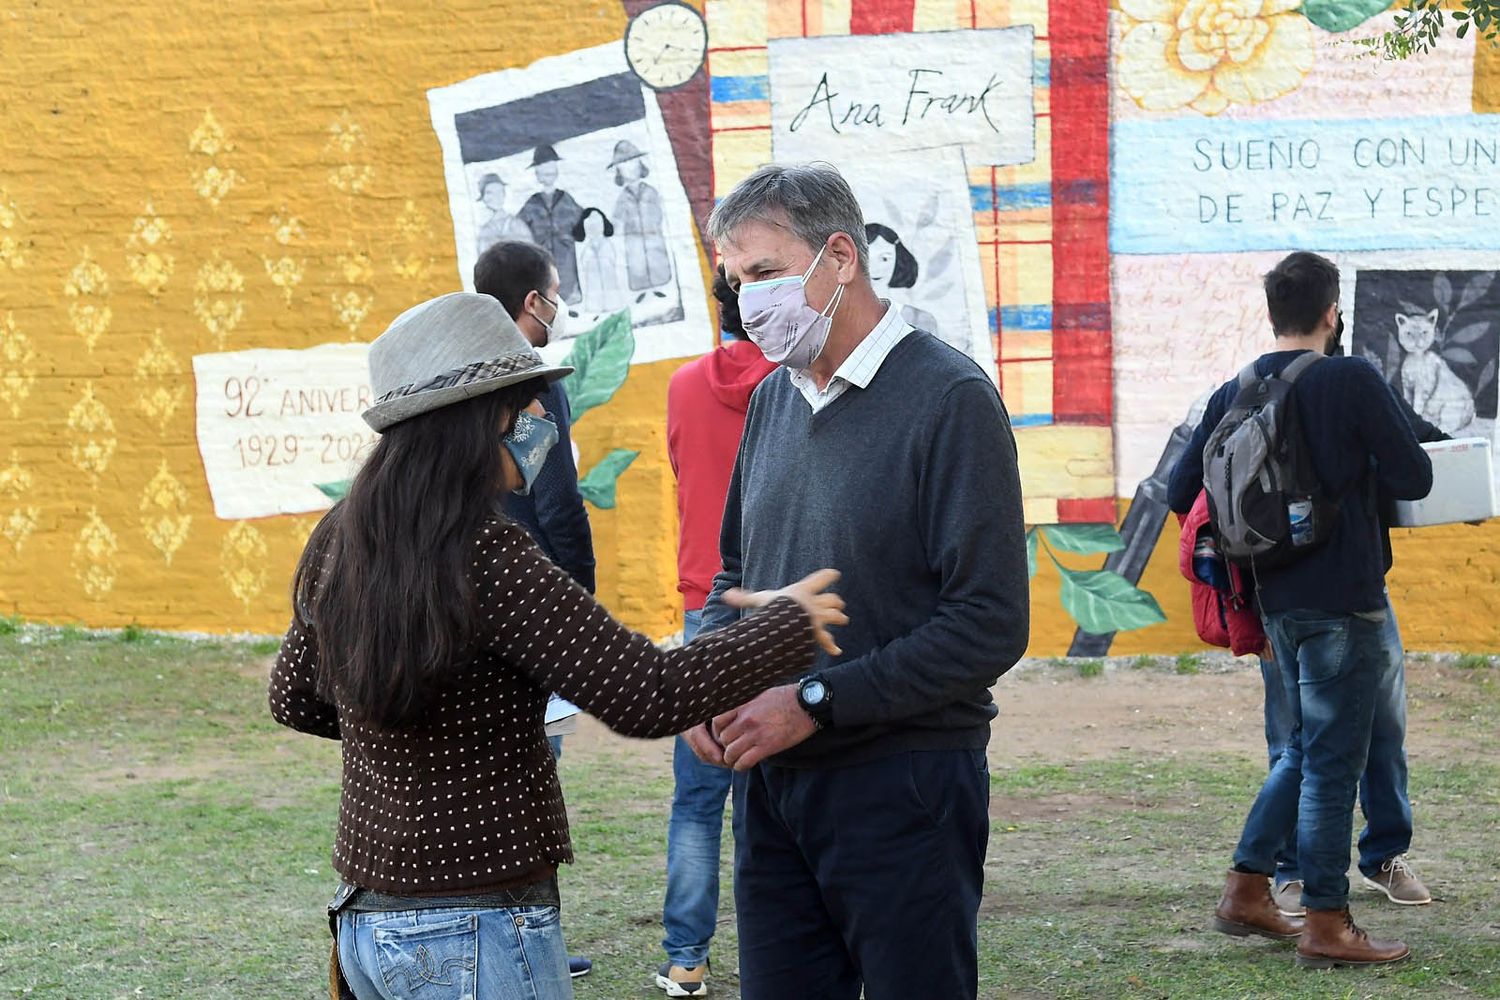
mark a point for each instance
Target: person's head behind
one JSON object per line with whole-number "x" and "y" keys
{"x": 546, "y": 173}
{"x": 891, "y": 264}
{"x": 525, "y": 280}
{"x": 729, "y": 306}
{"x": 1302, "y": 295}
{"x": 776, "y": 221}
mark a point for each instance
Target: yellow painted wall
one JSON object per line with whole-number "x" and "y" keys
{"x": 185, "y": 178}
{"x": 1443, "y": 588}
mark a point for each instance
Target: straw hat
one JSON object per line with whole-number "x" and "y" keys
{"x": 446, "y": 350}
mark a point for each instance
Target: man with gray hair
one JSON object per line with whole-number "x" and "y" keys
{"x": 861, "y": 790}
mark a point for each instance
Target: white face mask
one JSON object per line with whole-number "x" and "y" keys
{"x": 778, "y": 319}
{"x": 555, "y": 329}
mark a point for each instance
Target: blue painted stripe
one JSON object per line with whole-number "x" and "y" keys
{"x": 740, "y": 88}
{"x": 1030, "y": 419}
{"x": 1024, "y": 317}
{"x": 1041, "y": 72}
{"x": 1011, "y": 197}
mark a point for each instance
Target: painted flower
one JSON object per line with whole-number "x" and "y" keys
{"x": 1209, "y": 54}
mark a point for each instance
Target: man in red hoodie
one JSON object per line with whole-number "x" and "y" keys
{"x": 706, "y": 404}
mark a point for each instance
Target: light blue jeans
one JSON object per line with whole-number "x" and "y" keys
{"x": 1382, "y": 788}
{"x": 515, "y": 953}
{"x": 691, "y": 908}
{"x": 1334, "y": 670}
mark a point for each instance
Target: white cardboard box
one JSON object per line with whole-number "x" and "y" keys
{"x": 1462, "y": 486}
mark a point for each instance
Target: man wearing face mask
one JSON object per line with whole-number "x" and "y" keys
{"x": 1326, "y": 616}
{"x": 861, "y": 789}
{"x": 524, "y": 279}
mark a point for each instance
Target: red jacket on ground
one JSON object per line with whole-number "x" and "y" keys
{"x": 706, "y": 404}
{"x": 1221, "y": 618}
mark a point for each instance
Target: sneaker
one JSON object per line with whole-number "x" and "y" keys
{"x": 680, "y": 982}
{"x": 1288, "y": 896}
{"x": 579, "y": 966}
{"x": 1399, "y": 883}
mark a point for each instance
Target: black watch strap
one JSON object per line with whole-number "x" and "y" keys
{"x": 815, "y": 695}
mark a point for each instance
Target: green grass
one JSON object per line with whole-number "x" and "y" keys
{"x": 1473, "y": 661}
{"x": 161, "y": 837}
{"x": 1189, "y": 663}
{"x": 1143, "y": 662}
{"x": 1090, "y": 668}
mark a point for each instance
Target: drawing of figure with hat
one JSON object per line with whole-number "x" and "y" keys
{"x": 552, "y": 215}
{"x": 638, "y": 213}
{"x": 501, "y": 225}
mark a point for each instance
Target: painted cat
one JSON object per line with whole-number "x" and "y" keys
{"x": 1430, "y": 386}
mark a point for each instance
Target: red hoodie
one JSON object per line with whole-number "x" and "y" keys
{"x": 706, "y": 404}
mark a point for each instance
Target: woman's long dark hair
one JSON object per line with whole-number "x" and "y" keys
{"x": 383, "y": 583}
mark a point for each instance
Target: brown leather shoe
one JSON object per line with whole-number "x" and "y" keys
{"x": 1331, "y": 938}
{"x": 1247, "y": 908}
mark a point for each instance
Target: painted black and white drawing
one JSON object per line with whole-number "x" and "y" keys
{"x": 1435, "y": 336}
{"x": 571, "y": 154}
{"x": 924, "y": 254}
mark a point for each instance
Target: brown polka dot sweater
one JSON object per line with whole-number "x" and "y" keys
{"x": 468, "y": 800}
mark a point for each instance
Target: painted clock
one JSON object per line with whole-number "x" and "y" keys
{"x": 665, "y": 45}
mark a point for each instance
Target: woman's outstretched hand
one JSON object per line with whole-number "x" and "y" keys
{"x": 811, "y": 592}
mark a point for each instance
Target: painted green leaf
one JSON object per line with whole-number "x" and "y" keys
{"x": 1341, "y": 15}
{"x": 1086, "y": 539}
{"x": 335, "y": 491}
{"x": 601, "y": 358}
{"x": 1102, "y": 601}
{"x": 1031, "y": 554}
{"x": 598, "y": 487}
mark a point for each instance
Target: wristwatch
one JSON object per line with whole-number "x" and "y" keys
{"x": 816, "y": 699}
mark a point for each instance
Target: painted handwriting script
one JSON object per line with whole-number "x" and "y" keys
{"x": 926, "y": 100}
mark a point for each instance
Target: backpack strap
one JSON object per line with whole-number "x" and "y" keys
{"x": 1300, "y": 364}
{"x": 1249, "y": 376}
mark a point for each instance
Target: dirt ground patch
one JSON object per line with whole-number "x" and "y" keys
{"x": 1049, "y": 712}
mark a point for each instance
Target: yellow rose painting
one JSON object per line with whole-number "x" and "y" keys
{"x": 1209, "y": 54}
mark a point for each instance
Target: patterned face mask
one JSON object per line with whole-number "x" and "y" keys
{"x": 528, "y": 443}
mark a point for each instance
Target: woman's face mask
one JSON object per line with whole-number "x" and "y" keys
{"x": 778, "y": 319}
{"x": 528, "y": 442}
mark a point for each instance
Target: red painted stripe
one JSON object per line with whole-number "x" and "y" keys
{"x": 1097, "y": 510}
{"x": 745, "y": 128}
{"x": 1082, "y": 385}
{"x": 995, "y": 222}
{"x": 881, "y": 17}
{"x": 738, "y": 48}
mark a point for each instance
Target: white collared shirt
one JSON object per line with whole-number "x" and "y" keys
{"x": 860, "y": 366}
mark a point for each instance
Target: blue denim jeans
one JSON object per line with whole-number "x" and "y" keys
{"x": 1333, "y": 670}
{"x": 691, "y": 908}
{"x": 1382, "y": 788}
{"x": 455, "y": 954}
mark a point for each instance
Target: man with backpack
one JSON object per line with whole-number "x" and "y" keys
{"x": 1293, "y": 455}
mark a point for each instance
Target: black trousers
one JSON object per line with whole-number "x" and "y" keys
{"x": 867, "y": 876}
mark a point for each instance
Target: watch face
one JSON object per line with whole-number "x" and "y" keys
{"x": 813, "y": 692}
{"x": 665, "y": 45}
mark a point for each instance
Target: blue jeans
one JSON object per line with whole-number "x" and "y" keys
{"x": 691, "y": 908}
{"x": 452, "y": 954}
{"x": 1382, "y": 788}
{"x": 1333, "y": 670}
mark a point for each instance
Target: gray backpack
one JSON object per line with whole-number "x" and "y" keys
{"x": 1264, "y": 498}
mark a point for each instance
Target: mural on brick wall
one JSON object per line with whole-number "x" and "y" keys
{"x": 1239, "y": 136}
{"x": 1080, "y": 196}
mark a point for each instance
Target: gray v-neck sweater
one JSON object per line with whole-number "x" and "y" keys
{"x": 910, "y": 488}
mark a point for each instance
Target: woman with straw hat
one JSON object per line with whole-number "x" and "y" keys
{"x": 427, "y": 632}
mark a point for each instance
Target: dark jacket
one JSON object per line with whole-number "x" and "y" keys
{"x": 553, "y": 513}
